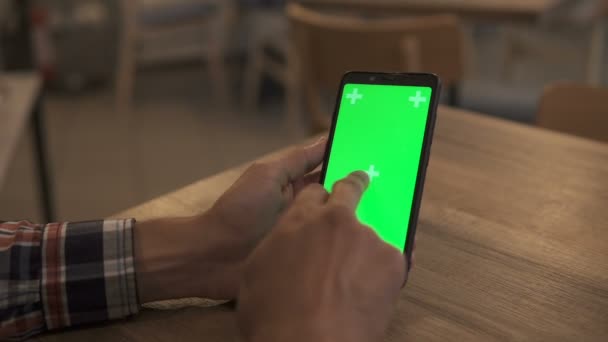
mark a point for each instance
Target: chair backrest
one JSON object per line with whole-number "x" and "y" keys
{"x": 568, "y": 12}
{"x": 151, "y": 15}
{"x": 575, "y": 109}
{"x": 328, "y": 45}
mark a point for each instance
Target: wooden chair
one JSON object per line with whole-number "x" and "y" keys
{"x": 146, "y": 22}
{"x": 575, "y": 109}
{"x": 551, "y": 40}
{"x": 329, "y": 45}
{"x": 267, "y": 55}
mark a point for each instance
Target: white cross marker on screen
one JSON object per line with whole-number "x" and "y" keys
{"x": 354, "y": 96}
{"x": 416, "y": 100}
{"x": 372, "y": 173}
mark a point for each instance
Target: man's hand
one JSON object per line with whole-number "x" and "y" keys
{"x": 203, "y": 256}
{"x": 321, "y": 275}
{"x": 248, "y": 210}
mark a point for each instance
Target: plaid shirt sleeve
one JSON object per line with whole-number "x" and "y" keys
{"x": 64, "y": 274}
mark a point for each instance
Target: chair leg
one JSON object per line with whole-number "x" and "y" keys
{"x": 454, "y": 95}
{"x": 596, "y": 53}
{"x": 126, "y": 68}
{"x": 509, "y": 55}
{"x": 293, "y": 101}
{"x": 294, "y": 90}
{"x": 320, "y": 121}
{"x": 253, "y": 79}
{"x": 125, "y": 79}
{"x": 410, "y": 47}
{"x": 219, "y": 77}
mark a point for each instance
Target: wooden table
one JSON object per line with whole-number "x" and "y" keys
{"x": 511, "y": 10}
{"x": 20, "y": 105}
{"x": 512, "y": 243}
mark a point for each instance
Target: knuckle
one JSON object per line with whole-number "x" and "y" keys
{"x": 368, "y": 232}
{"x": 315, "y": 188}
{"x": 294, "y": 213}
{"x": 394, "y": 259}
{"x": 340, "y": 218}
{"x": 260, "y": 168}
{"x": 295, "y": 153}
{"x": 299, "y": 150}
{"x": 249, "y": 267}
{"x": 328, "y": 215}
{"x": 394, "y": 255}
{"x": 257, "y": 166}
{"x": 311, "y": 190}
{"x": 390, "y": 255}
{"x": 339, "y": 212}
{"x": 368, "y": 237}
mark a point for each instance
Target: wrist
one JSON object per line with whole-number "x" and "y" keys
{"x": 323, "y": 326}
{"x": 282, "y": 331}
{"x": 179, "y": 258}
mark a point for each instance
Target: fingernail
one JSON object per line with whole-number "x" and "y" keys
{"x": 364, "y": 177}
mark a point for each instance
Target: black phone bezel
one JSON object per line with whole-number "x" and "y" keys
{"x": 403, "y": 79}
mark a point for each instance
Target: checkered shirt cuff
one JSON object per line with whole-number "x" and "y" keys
{"x": 87, "y": 272}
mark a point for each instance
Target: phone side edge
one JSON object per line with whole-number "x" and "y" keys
{"x": 436, "y": 86}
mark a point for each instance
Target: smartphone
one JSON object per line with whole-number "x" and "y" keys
{"x": 383, "y": 124}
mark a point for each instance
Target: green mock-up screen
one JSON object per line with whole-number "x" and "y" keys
{"x": 380, "y": 130}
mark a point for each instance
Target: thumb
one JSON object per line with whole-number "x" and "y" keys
{"x": 300, "y": 161}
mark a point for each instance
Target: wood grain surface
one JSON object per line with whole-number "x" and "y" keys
{"x": 512, "y": 10}
{"x": 18, "y": 93}
{"x": 512, "y": 243}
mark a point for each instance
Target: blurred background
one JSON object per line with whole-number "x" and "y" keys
{"x": 105, "y": 104}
